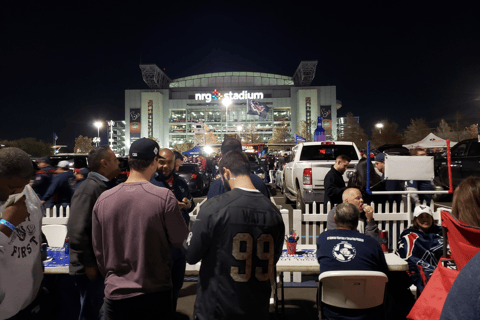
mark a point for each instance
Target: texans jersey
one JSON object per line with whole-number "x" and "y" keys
{"x": 422, "y": 251}
{"x": 239, "y": 237}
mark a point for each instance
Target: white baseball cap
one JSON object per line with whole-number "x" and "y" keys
{"x": 63, "y": 164}
{"x": 421, "y": 209}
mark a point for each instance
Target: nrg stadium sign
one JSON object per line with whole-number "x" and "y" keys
{"x": 215, "y": 95}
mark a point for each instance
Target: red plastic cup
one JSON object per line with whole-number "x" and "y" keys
{"x": 291, "y": 247}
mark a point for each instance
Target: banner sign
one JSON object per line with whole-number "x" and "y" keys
{"x": 215, "y": 95}
{"x": 135, "y": 123}
{"x": 299, "y": 139}
{"x": 326, "y": 115}
{"x": 150, "y": 118}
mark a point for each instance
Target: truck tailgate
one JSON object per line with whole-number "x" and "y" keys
{"x": 319, "y": 171}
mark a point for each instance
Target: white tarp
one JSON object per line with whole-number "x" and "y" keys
{"x": 430, "y": 141}
{"x": 409, "y": 168}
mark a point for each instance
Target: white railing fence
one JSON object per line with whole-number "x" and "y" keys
{"x": 310, "y": 224}
{"x": 60, "y": 215}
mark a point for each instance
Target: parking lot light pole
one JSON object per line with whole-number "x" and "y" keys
{"x": 97, "y": 124}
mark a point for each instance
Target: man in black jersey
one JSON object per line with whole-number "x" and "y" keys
{"x": 238, "y": 235}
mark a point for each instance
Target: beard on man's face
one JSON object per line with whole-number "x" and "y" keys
{"x": 164, "y": 176}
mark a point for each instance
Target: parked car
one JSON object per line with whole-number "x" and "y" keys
{"x": 394, "y": 149}
{"x": 465, "y": 163}
{"x": 197, "y": 180}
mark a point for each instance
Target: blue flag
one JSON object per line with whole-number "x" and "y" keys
{"x": 55, "y": 136}
{"x": 257, "y": 108}
{"x": 299, "y": 138}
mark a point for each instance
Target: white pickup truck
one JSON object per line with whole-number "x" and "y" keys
{"x": 304, "y": 175}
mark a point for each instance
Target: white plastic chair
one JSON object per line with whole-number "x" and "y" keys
{"x": 55, "y": 234}
{"x": 356, "y": 289}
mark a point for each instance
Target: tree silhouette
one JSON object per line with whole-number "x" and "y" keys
{"x": 416, "y": 131}
{"x": 303, "y": 129}
{"x": 280, "y": 135}
{"x": 32, "y": 146}
{"x": 387, "y": 135}
{"x": 83, "y": 144}
{"x": 249, "y": 135}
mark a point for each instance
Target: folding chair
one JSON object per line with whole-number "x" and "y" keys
{"x": 356, "y": 289}
{"x": 464, "y": 239}
{"x": 55, "y": 234}
{"x": 464, "y": 244}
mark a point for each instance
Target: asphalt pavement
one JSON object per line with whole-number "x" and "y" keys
{"x": 299, "y": 303}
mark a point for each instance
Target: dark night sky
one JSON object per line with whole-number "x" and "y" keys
{"x": 64, "y": 65}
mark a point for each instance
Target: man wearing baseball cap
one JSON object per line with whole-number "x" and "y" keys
{"x": 61, "y": 186}
{"x": 134, "y": 225}
{"x": 390, "y": 185}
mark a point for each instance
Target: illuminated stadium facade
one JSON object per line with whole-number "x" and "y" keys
{"x": 170, "y": 110}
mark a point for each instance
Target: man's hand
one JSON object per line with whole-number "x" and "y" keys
{"x": 91, "y": 272}
{"x": 368, "y": 212}
{"x": 185, "y": 203}
{"x": 15, "y": 214}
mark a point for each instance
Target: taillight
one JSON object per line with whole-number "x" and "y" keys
{"x": 327, "y": 143}
{"x": 307, "y": 176}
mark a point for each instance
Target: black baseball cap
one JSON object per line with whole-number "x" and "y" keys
{"x": 144, "y": 149}
{"x": 231, "y": 144}
{"x": 45, "y": 159}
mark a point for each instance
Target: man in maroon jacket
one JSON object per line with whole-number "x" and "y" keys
{"x": 134, "y": 225}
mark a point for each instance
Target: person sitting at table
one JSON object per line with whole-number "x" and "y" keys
{"x": 369, "y": 225}
{"x": 20, "y": 237}
{"x": 359, "y": 180}
{"x": 344, "y": 248}
{"x": 421, "y": 245}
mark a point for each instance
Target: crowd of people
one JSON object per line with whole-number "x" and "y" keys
{"x": 130, "y": 242}
{"x": 55, "y": 186}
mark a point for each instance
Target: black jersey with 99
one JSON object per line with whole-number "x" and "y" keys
{"x": 238, "y": 236}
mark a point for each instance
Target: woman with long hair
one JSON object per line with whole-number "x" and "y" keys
{"x": 466, "y": 201}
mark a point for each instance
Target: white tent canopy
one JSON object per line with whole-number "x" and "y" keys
{"x": 430, "y": 141}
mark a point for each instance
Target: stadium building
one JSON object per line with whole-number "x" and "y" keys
{"x": 173, "y": 110}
